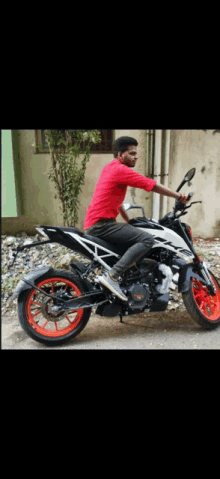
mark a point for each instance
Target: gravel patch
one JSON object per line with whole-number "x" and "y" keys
{"x": 58, "y": 256}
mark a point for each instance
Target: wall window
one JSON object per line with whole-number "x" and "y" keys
{"x": 41, "y": 142}
{"x": 106, "y": 145}
{"x": 44, "y": 140}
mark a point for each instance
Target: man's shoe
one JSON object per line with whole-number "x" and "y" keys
{"x": 114, "y": 287}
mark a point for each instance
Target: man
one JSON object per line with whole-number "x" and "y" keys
{"x": 106, "y": 204}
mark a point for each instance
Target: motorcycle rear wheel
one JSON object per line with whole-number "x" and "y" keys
{"x": 201, "y": 305}
{"x": 43, "y": 325}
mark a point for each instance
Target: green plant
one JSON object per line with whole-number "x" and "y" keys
{"x": 9, "y": 284}
{"x": 70, "y": 153}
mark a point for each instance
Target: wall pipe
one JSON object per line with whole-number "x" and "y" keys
{"x": 166, "y": 170}
{"x": 157, "y": 173}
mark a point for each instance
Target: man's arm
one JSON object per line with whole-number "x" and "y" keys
{"x": 167, "y": 192}
{"x": 131, "y": 178}
{"x": 162, "y": 191}
{"x": 124, "y": 214}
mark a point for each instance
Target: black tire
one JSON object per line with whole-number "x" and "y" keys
{"x": 195, "y": 304}
{"x": 30, "y": 299}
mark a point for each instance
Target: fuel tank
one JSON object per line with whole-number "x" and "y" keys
{"x": 163, "y": 236}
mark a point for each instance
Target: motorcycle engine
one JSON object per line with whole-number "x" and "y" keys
{"x": 140, "y": 290}
{"x": 138, "y": 296}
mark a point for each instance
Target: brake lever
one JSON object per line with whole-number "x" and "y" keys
{"x": 193, "y": 203}
{"x": 188, "y": 206}
{"x": 182, "y": 213}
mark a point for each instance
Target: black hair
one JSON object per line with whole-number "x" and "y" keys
{"x": 122, "y": 143}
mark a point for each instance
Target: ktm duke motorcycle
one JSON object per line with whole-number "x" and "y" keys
{"x": 54, "y": 306}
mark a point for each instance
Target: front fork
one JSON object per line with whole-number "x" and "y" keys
{"x": 202, "y": 267}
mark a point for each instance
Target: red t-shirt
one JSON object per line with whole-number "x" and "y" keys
{"x": 111, "y": 189}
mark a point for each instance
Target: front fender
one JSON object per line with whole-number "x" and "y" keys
{"x": 185, "y": 274}
{"x": 37, "y": 273}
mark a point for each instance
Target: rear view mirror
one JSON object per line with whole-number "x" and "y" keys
{"x": 189, "y": 176}
{"x": 127, "y": 206}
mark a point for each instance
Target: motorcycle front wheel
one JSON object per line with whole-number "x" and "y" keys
{"x": 35, "y": 312}
{"x": 201, "y": 305}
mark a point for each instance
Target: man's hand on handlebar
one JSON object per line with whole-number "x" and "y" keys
{"x": 186, "y": 198}
{"x": 180, "y": 204}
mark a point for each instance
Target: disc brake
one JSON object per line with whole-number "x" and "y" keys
{"x": 51, "y": 312}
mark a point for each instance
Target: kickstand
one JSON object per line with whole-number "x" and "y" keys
{"x": 121, "y": 318}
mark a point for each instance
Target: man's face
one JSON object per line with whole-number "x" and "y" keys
{"x": 129, "y": 157}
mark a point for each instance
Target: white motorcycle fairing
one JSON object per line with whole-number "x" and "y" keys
{"x": 168, "y": 239}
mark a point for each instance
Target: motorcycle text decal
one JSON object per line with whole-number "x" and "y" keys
{"x": 169, "y": 243}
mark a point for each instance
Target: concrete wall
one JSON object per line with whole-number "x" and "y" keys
{"x": 189, "y": 148}
{"x": 196, "y": 148}
{"x": 39, "y": 205}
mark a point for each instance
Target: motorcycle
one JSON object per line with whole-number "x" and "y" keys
{"x": 54, "y": 306}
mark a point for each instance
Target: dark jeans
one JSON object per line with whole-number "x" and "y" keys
{"x": 137, "y": 241}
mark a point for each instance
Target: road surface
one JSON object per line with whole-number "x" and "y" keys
{"x": 167, "y": 330}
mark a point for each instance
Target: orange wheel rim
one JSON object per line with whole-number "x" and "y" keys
{"x": 48, "y": 324}
{"x": 207, "y": 304}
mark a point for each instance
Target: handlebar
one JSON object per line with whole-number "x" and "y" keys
{"x": 182, "y": 207}
{"x": 190, "y": 195}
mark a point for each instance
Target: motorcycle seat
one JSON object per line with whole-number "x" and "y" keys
{"x": 119, "y": 249}
{"x": 71, "y": 229}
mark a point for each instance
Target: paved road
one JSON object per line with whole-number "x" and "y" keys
{"x": 168, "y": 330}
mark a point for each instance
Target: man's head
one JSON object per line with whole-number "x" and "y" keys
{"x": 126, "y": 150}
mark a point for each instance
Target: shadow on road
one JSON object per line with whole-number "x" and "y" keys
{"x": 111, "y": 328}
